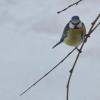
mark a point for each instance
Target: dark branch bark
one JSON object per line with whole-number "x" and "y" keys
{"x": 48, "y": 72}
{"x": 76, "y": 3}
{"x": 91, "y": 30}
{"x": 93, "y": 27}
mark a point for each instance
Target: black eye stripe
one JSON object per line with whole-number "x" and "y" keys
{"x": 75, "y": 23}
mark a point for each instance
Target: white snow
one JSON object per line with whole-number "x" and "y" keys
{"x": 28, "y": 30}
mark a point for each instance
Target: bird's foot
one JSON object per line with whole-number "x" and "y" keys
{"x": 87, "y": 35}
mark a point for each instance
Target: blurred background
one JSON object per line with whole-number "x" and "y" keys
{"x": 28, "y": 30}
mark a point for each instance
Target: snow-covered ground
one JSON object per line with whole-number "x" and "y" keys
{"x": 28, "y": 30}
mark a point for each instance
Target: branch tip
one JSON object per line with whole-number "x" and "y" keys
{"x": 76, "y": 3}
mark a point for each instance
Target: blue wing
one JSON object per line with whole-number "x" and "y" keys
{"x": 63, "y": 35}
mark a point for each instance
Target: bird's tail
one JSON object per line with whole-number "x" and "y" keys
{"x": 57, "y": 44}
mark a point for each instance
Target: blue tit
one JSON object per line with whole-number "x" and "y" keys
{"x": 74, "y": 33}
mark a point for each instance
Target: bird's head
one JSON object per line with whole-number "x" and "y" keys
{"x": 75, "y": 22}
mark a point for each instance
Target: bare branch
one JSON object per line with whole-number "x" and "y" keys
{"x": 76, "y": 3}
{"x": 93, "y": 24}
{"x": 34, "y": 84}
{"x": 93, "y": 27}
{"x": 91, "y": 30}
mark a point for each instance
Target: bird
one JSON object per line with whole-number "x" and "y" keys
{"x": 74, "y": 33}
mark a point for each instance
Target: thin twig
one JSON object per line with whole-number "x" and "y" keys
{"x": 76, "y": 3}
{"x": 71, "y": 71}
{"x": 91, "y": 30}
{"x": 48, "y": 72}
{"x": 95, "y": 27}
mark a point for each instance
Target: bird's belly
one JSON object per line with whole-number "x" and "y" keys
{"x": 73, "y": 38}
{"x": 72, "y": 42}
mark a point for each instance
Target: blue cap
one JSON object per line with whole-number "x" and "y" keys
{"x": 75, "y": 20}
{"x": 75, "y": 17}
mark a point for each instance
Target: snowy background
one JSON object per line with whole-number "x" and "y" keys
{"x": 28, "y": 30}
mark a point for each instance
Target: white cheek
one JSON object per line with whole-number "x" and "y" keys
{"x": 71, "y": 25}
{"x": 79, "y": 25}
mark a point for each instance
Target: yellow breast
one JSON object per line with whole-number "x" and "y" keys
{"x": 73, "y": 37}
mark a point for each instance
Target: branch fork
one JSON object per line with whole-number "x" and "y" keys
{"x": 91, "y": 30}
